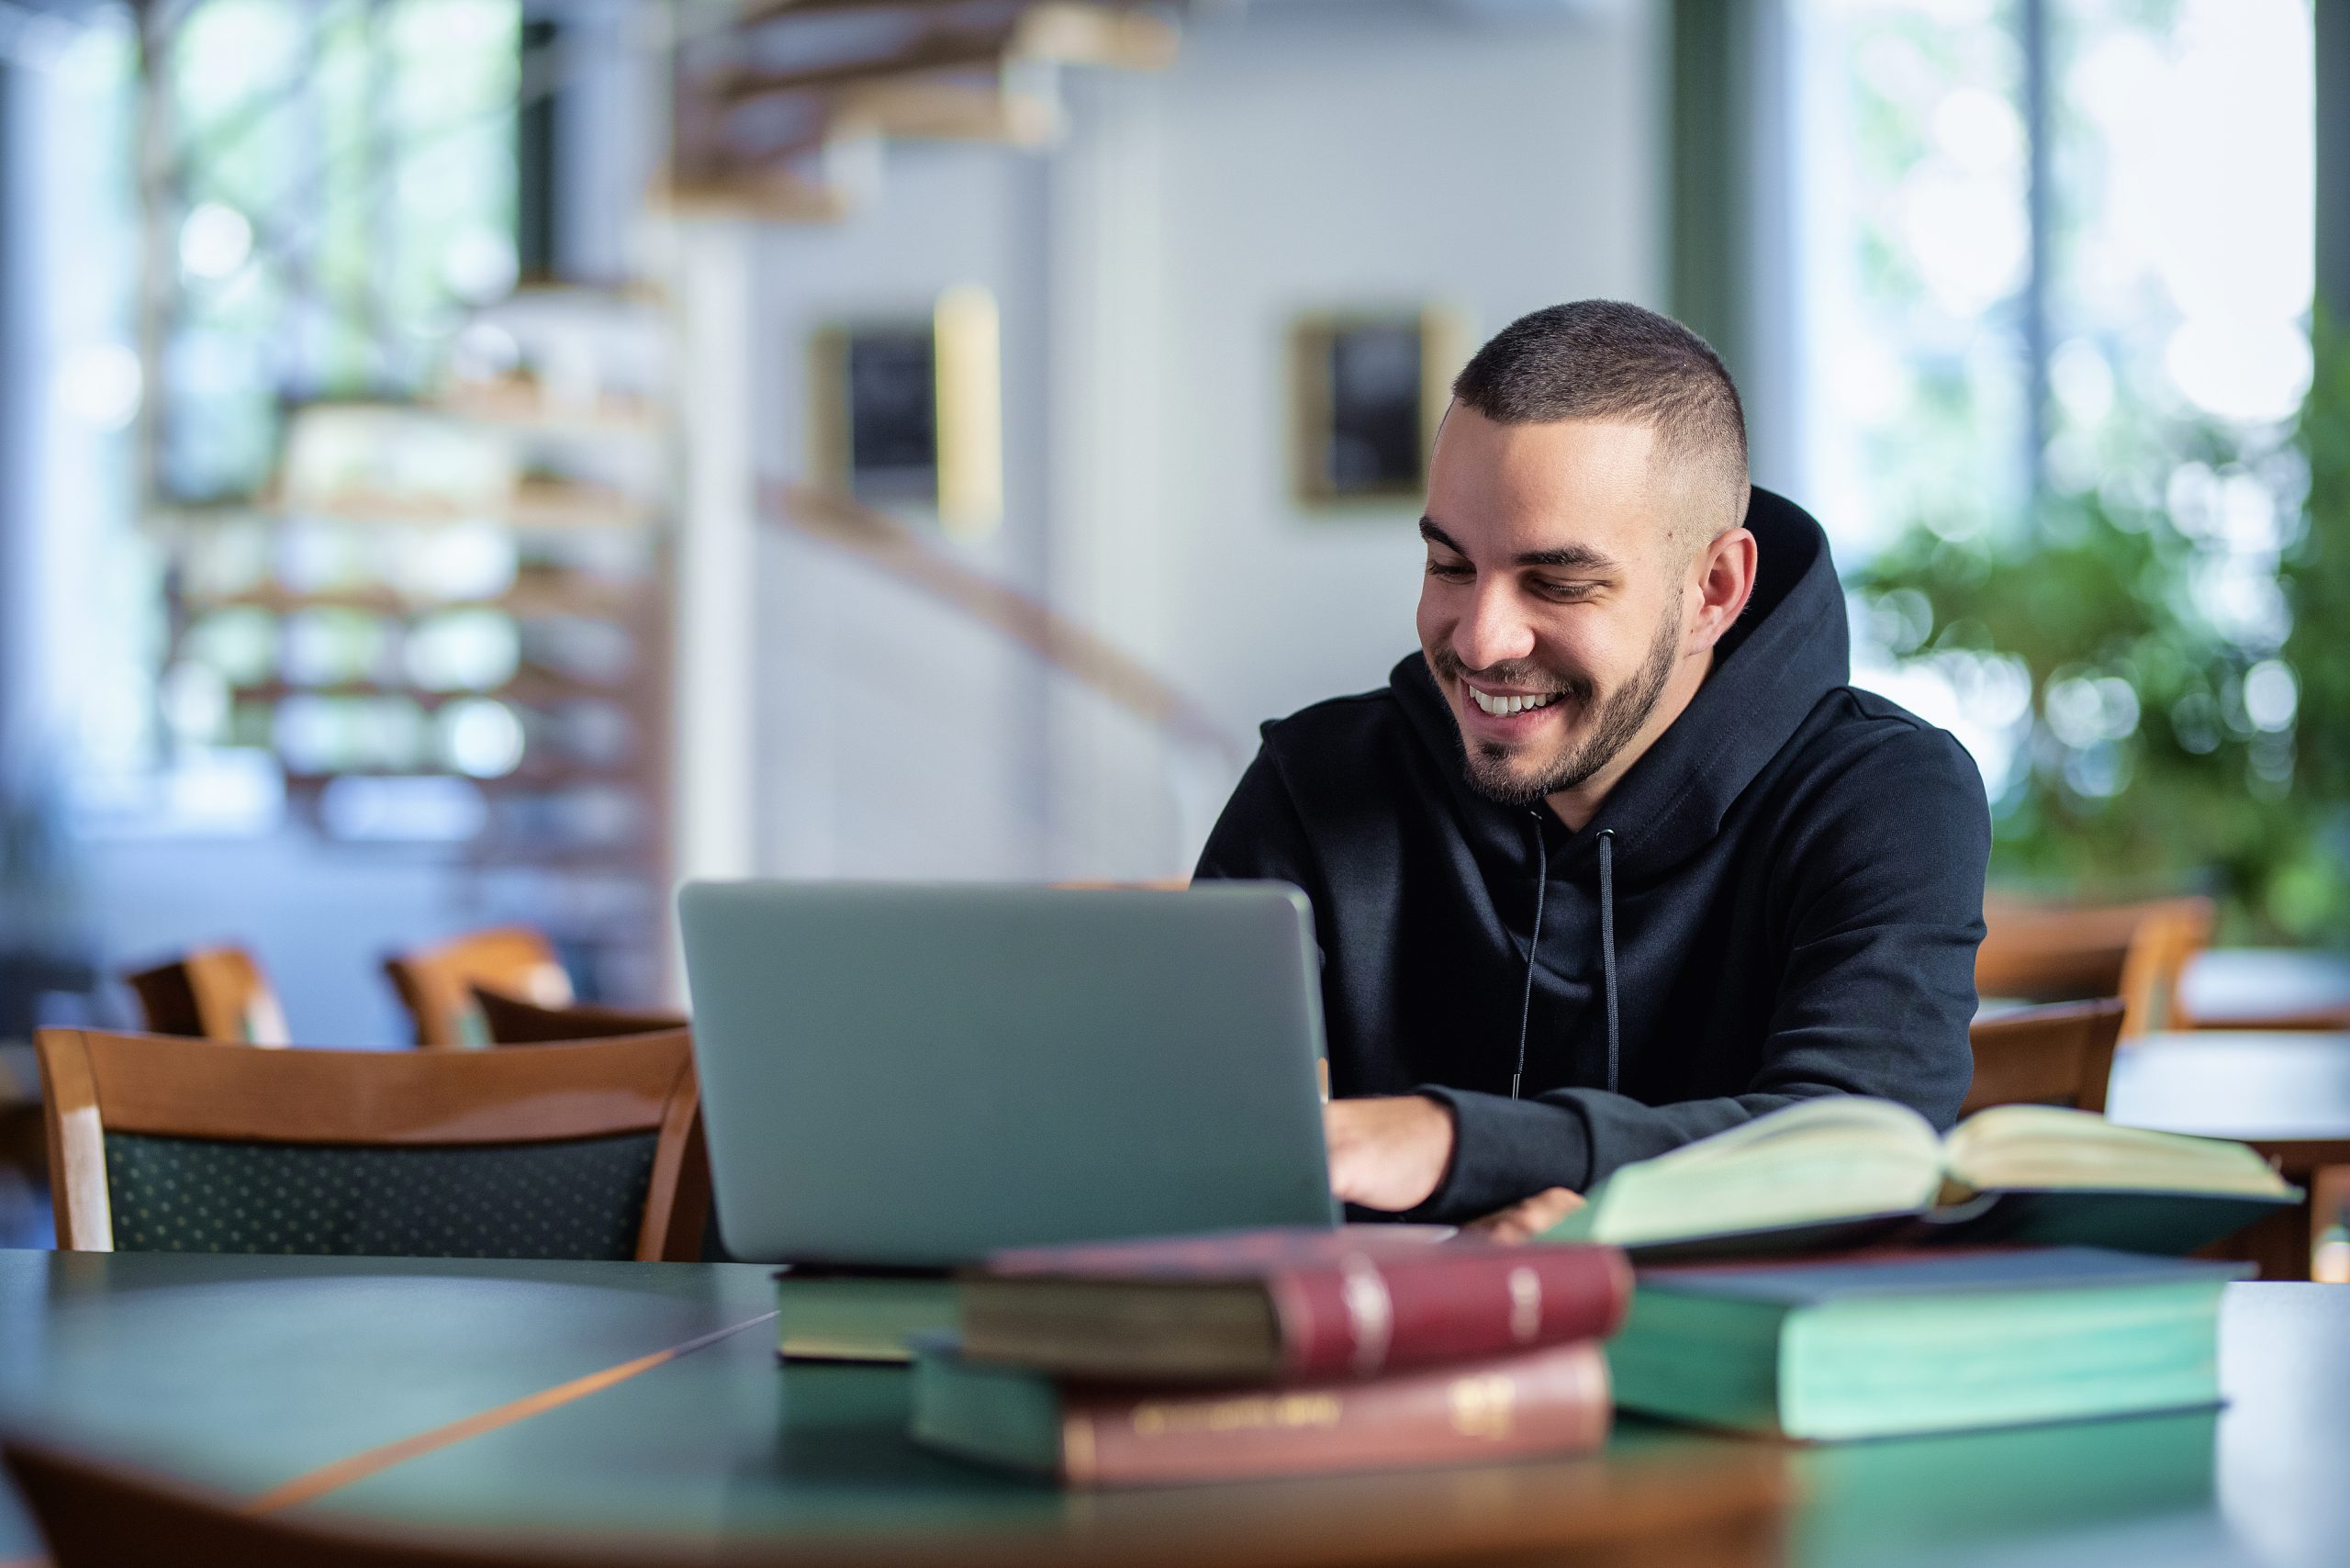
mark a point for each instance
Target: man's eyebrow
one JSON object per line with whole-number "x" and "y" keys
{"x": 1569, "y": 557}
{"x": 1573, "y": 558}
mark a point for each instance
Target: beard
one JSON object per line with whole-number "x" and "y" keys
{"x": 1493, "y": 770}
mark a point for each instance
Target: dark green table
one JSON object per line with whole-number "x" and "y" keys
{"x": 246, "y": 1374}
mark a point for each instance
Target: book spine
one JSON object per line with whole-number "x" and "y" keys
{"x": 1371, "y": 1314}
{"x": 1550, "y": 1401}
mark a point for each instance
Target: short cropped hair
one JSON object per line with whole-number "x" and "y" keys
{"x": 1602, "y": 359}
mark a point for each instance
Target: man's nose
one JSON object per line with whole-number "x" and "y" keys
{"x": 1495, "y": 631}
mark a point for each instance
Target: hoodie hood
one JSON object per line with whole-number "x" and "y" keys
{"x": 1790, "y": 650}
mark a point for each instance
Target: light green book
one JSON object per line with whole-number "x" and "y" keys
{"x": 1880, "y": 1344}
{"x": 832, "y": 1314}
{"x": 1843, "y": 1170}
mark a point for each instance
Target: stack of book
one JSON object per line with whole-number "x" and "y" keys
{"x": 1272, "y": 1352}
{"x": 1833, "y": 1270}
{"x": 2025, "y": 1268}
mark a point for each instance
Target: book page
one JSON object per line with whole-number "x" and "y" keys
{"x": 1837, "y": 1157}
{"x": 2029, "y": 1147}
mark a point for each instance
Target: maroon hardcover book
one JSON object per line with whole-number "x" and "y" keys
{"x": 1548, "y": 1400}
{"x": 1285, "y": 1305}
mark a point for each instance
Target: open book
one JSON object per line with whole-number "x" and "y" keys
{"x": 1846, "y": 1170}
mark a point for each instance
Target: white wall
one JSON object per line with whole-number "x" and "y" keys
{"x": 899, "y": 739}
{"x": 1297, "y": 157}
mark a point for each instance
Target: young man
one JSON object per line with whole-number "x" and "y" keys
{"x": 1620, "y": 861}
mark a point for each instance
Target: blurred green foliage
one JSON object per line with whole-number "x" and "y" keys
{"x": 2182, "y": 733}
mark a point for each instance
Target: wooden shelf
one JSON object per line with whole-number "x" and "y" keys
{"x": 537, "y": 505}
{"x": 522, "y": 407}
{"x": 535, "y": 687}
{"x": 596, "y": 598}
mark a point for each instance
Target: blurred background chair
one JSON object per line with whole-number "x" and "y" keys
{"x": 2036, "y": 952}
{"x": 436, "y": 984}
{"x": 2329, "y": 1225}
{"x": 2056, "y": 1054}
{"x": 161, "y": 1144}
{"x": 512, "y": 1021}
{"x": 212, "y": 993}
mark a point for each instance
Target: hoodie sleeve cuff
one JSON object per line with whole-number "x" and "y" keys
{"x": 1503, "y": 1149}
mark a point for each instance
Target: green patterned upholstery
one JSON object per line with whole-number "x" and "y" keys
{"x": 578, "y": 1198}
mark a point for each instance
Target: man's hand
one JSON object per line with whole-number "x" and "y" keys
{"x": 1529, "y": 1217}
{"x": 1387, "y": 1153}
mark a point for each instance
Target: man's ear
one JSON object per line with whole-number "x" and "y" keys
{"x": 1723, "y": 582}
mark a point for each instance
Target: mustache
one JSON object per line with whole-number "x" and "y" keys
{"x": 1518, "y": 673}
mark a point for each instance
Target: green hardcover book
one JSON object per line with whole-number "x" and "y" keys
{"x": 830, "y": 1313}
{"x": 1880, "y": 1344}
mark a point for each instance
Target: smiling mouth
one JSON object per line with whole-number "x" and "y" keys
{"x": 1501, "y": 707}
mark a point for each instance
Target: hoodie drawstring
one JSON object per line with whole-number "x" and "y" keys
{"x": 1607, "y": 942}
{"x": 1533, "y": 941}
{"x": 1606, "y": 950}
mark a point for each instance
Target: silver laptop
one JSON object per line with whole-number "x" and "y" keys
{"x": 916, "y": 1075}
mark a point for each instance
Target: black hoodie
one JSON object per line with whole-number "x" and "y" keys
{"x": 1781, "y": 899}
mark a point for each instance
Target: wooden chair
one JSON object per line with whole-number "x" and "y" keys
{"x": 2057, "y": 1055}
{"x": 436, "y": 984}
{"x": 1723, "y": 1509}
{"x": 160, "y": 1144}
{"x": 212, "y": 993}
{"x": 512, "y": 1021}
{"x": 2052, "y": 953}
{"x": 2329, "y": 1205}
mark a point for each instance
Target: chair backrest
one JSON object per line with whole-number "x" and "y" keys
{"x": 2058, "y": 1054}
{"x": 160, "y": 1144}
{"x": 436, "y": 984}
{"x": 2329, "y": 1207}
{"x": 512, "y": 1021}
{"x": 212, "y": 993}
{"x": 2034, "y": 952}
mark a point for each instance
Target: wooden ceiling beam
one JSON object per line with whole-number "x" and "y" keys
{"x": 929, "y": 54}
{"x": 1074, "y": 33}
{"x": 755, "y": 15}
{"x": 766, "y": 197}
{"x": 1063, "y": 32}
{"x": 945, "y": 111}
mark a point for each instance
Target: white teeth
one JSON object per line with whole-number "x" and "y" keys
{"x": 1501, "y": 707}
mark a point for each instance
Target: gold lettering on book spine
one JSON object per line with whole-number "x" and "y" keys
{"x": 1481, "y": 1406}
{"x": 1077, "y": 1447}
{"x": 1525, "y": 1304}
{"x": 1370, "y": 1312}
{"x": 1256, "y": 1412}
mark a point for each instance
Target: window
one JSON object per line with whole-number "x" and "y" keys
{"x": 2058, "y": 270}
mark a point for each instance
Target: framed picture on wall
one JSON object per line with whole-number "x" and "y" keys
{"x": 906, "y": 412}
{"x": 1367, "y": 389}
